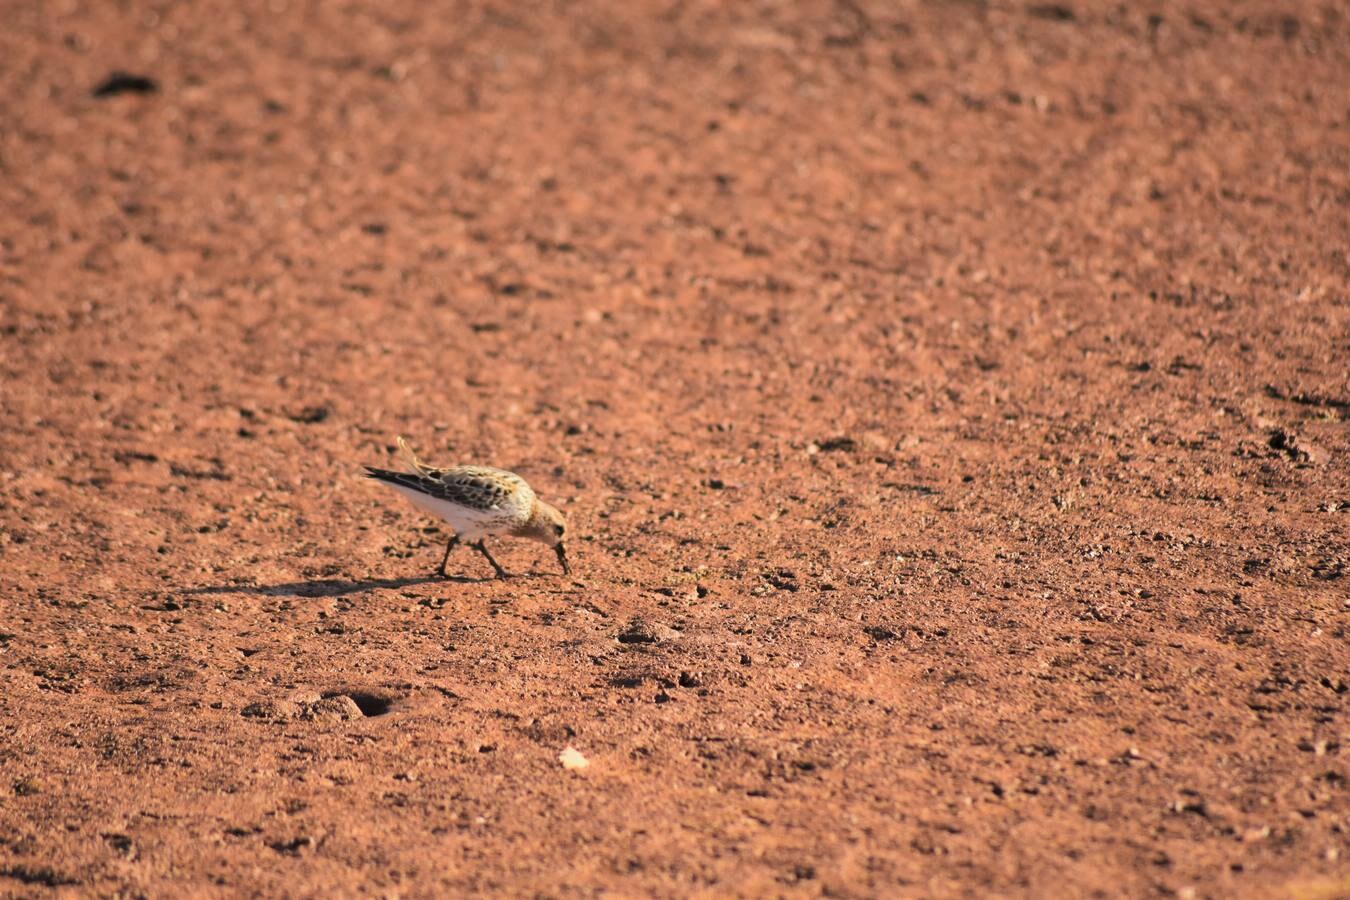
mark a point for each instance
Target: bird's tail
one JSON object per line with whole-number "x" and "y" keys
{"x": 384, "y": 474}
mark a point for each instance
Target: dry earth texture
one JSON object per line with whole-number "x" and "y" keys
{"x": 950, "y": 400}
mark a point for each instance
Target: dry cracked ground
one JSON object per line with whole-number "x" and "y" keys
{"x": 950, "y": 401}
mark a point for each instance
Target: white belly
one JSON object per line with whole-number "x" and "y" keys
{"x": 470, "y": 524}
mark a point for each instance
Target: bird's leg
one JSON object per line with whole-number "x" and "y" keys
{"x": 482, "y": 548}
{"x": 454, "y": 539}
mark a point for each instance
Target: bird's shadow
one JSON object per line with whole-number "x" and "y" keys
{"x": 329, "y": 587}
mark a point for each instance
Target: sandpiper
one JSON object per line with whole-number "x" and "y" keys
{"x": 477, "y": 501}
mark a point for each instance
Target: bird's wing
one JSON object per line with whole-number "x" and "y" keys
{"x": 474, "y": 487}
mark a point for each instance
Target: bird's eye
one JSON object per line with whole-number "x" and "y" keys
{"x": 558, "y": 529}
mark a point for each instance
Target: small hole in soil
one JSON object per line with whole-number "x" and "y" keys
{"x": 369, "y": 704}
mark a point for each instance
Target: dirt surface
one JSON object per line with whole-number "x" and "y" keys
{"x": 950, "y": 401}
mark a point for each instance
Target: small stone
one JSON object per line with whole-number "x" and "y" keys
{"x": 293, "y": 846}
{"x": 639, "y": 631}
{"x": 572, "y": 759}
{"x": 26, "y": 787}
{"x": 271, "y": 710}
{"x": 339, "y": 708}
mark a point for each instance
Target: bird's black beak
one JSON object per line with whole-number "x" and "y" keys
{"x": 562, "y": 558}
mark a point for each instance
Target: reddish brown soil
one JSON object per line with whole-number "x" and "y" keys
{"x": 956, "y": 393}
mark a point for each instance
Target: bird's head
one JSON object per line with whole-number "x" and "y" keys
{"x": 548, "y": 526}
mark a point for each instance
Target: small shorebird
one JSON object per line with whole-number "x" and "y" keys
{"x": 477, "y": 501}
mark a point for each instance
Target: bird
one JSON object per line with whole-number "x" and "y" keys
{"x": 477, "y": 501}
